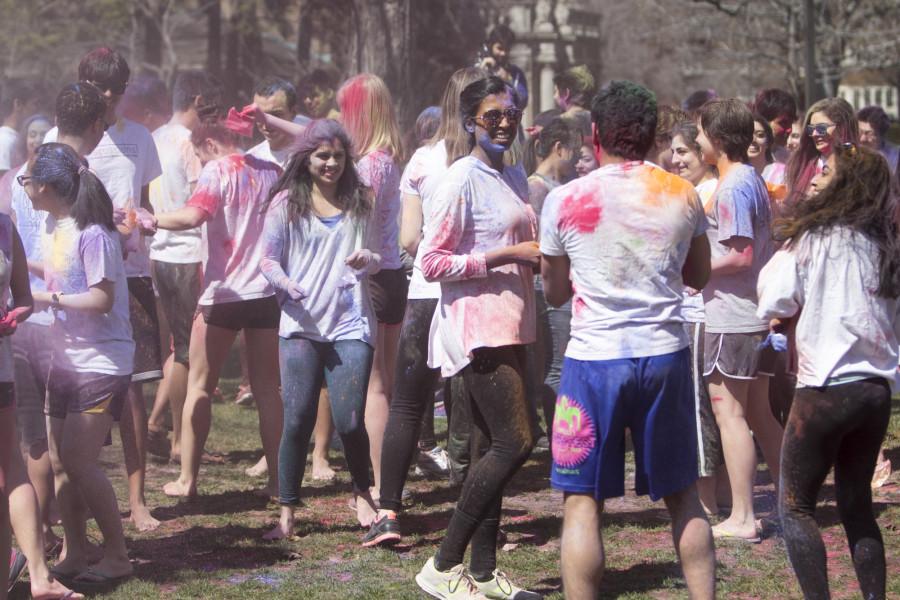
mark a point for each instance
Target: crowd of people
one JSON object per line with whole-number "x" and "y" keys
{"x": 704, "y": 279}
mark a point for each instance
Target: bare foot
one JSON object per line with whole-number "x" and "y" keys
{"x": 112, "y": 568}
{"x": 366, "y": 511}
{"x": 259, "y": 469}
{"x": 142, "y": 519}
{"x": 51, "y": 589}
{"x": 321, "y": 470}
{"x": 179, "y": 489}
{"x": 68, "y": 568}
{"x": 285, "y": 527}
{"x": 727, "y": 530}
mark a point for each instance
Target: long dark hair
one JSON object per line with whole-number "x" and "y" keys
{"x": 297, "y": 180}
{"x": 801, "y": 167}
{"x": 859, "y": 197}
{"x": 62, "y": 169}
{"x": 473, "y": 95}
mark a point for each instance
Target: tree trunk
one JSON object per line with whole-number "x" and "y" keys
{"x": 214, "y": 38}
{"x": 383, "y": 44}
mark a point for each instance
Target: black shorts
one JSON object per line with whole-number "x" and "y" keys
{"x": 145, "y": 329}
{"x": 737, "y": 355}
{"x": 388, "y": 292}
{"x": 260, "y": 313}
{"x": 90, "y": 393}
{"x": 179, "y": 289}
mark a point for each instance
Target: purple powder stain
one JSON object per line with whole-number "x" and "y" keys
{"x": 273, "y": 581}
{"x": 237, "y": 579}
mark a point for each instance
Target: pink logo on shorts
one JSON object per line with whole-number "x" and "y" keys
{"x": 574, "y": 435}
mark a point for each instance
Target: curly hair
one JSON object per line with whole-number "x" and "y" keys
{"x": 772, "y": 103}
{"x": 625, "y": 115}
{"x": 859, "y": 197}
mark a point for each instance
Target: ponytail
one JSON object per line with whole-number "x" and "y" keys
{"x": 61, "y": 168}
{"x": 92, "y": 203}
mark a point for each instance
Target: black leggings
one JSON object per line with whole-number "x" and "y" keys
{"x": 840, "y": 425}
{"x": 504, "y": 423}
{"x": 413, "y": 392}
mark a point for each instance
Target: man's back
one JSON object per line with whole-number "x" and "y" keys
{"x": 626, "y": 229}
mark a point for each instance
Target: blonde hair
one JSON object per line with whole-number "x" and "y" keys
{"x": 368, "y": 116}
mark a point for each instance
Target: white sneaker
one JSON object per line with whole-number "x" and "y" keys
{"x": 454, "y": 584}
{"x": 501, "y": 588}
{"x": 433, "y": 462}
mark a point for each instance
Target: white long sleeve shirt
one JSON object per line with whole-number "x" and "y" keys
{"x": 844, "y": 329}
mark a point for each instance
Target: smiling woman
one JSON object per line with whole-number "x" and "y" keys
{"x": 483, "y": 252}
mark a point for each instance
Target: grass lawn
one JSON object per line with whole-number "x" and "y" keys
{"x": 213, "y": 547}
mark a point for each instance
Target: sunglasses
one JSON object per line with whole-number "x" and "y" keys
{"x": 493, "y": 118}
{"x": 820, "y": 129}
{"x": 116, "y": 88}
{"x": 23, "y": 179}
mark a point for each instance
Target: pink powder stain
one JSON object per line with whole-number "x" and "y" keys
{"x": 724, "y": 213}
{"x": 205, "y": 200}
{"x": 578, "y": 306}
{"x": 573, "y": 433}
{"x": 581, "y": 214}
{"x": 717, "y": 398}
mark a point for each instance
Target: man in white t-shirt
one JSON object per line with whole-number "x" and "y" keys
{"x": 126, "y": 161}
{"x": 17, "y": 102}
{"x": 176, "y": 256}
{"x": 278, "y": 98}
{"x": 622, "y": 242}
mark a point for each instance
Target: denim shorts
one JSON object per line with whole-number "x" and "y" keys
{"x": 89, "y": 393}
{"x": 653, "y": 397}
{"x": 31, "y": 358}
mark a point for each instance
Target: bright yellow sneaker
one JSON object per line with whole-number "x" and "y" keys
{"x": 454, "y": 584}
{"x": 501, "y": 588}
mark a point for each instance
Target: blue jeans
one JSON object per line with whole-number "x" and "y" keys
{"x": 545, "y": 356}
{"x": 344, "y": 366}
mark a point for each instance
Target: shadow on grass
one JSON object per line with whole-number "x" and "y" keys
{"x": 203, "y": 549}
{"x": 642, "y": 577}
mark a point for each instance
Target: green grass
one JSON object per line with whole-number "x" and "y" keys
{"x": 213, "y": 547}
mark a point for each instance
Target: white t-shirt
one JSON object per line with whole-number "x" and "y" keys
{"x": 844, "y": 327}
{"x": 626, "y": 229}
{"x": 692, "y": 308}
{"x": 125, "y": 160}
{"x": 75, "y": 260}
{"x": 420, "y": 178}
{"x": 233, "y": 191}
{"x": 10, "y": 155}
{"x": 263, "y": 151}
{"x": 30, "y": 224}
{"x": 171, "y": 190}
{"x": 378, "y": 171}
{"x": 311, "y": 253}
{"x": 476, "y": 210}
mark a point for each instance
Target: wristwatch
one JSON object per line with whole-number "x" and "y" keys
{"x": 54, "y": 299}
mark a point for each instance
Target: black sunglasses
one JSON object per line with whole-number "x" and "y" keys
{"x": 23, "y": 179}
{"x": 820, "y": 129}
{"x": 493, "y": 118}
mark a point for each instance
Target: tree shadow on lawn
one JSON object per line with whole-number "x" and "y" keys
{"x": 203, "y": 549}
{"x": 641, "y": 577}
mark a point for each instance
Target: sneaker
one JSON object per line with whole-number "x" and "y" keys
{"x": 433, "y": 462}
{"x": 542, "y": 444}
{"x": 501, "y": 588}
{"x": 454, "y": 584}
{"x": 882, "y": 474}
{"x": 383, "y": 532}
{"x": 16, "y": 568}
{"x": 244, "y": 396}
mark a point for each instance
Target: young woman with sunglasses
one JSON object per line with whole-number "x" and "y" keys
{"x": 840, "y": 270}
{"x": 828, "y": 122}
{"x": 483, "y": 251}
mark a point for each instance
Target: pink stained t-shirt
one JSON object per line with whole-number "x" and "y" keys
{"x": 378, "y": 171}
{"x": 475, "y": 210}
{"x": 233, "y": 191}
